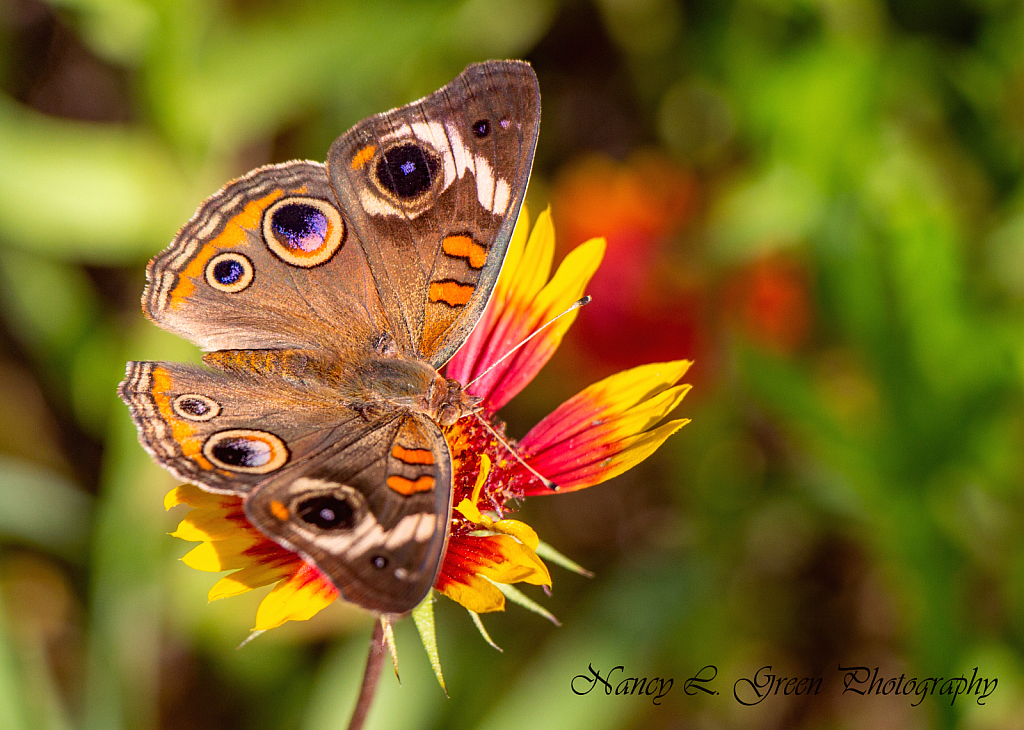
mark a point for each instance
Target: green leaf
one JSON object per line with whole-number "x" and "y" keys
{"x": 483, "y": 632}
{"x": 518, "y": 597}
{"x": 99, "y": 193}
{"x": 389, "y": 639}
{"x": 547, "y": 552}
{"x": 423, "y": 616}
{"x": 43, "y": 508}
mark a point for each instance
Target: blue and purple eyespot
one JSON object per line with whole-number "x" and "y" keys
{"x": 407, "y": 170}
{"x": 303, "y": 232}
{"x": 195, "y": 407}
{"x": 246, "y": 450}
{"x": 229, "y": 272}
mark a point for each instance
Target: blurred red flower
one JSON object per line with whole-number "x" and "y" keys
{"x": 648, "y": 303}
{"x": 770, "y": 301}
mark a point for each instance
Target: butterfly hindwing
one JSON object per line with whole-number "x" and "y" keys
{"x": 372, "y": 515}
{"x": 433, "y": 190}
{"x": 229, "y": 432}
{"x": 291, "y": 457}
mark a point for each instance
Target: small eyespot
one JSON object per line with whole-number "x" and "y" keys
{"x": 229, "y": 272}
{"x": 303, "y": 232}
{"x": 379, "y": 562}
{"x": 195, "y": 407}
{"x": 407, "y": 170}
{"x": 327, "y": 512}
{"x": 481, "y": 128}
{"x": 246, "y": 451}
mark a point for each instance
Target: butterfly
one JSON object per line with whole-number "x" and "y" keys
{"x": 326, "y": 298}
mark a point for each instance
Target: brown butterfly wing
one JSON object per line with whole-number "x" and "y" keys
{"x": 371, "y": 513}
{"x": 267, "y": 262}
{"x": 291, "y": 453}
{"x": 289, "y": 257}
{"x": 433, "y": 190}
{"x": 229, "y": 432}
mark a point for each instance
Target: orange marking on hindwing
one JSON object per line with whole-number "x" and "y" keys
{"x": 451, "y": 293}
{"x": 408, "y": 486}
{"x": 464, "y": 247}
{"x": 363, "y": 156}
{"x": 413, "y": 456}
{"x": 279, "y": 510}
{"x": 183, "y": 432}
{"x": 234, "y": 234}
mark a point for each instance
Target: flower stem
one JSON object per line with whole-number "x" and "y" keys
{"x": 374, "y": 664}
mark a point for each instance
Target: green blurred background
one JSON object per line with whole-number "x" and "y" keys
{"x": 820, "y": 202}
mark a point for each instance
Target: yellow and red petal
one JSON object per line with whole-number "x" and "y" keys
{"x": 474, "y": 561}
{"x": 607, "y": 428}
{"x": 471, "y": 591}
{"x": 228, "y": 541}
{"x": 206, "y": 524}
{"x": 521, "y": 303}
{"x": 498, "y": 557}
{"x": 254, "y": 576}
{"x": 229, "y": 554}
{"x": 519, "y": 530}
{"x": 193, "y": 496}
{"x": 300, "y": 596}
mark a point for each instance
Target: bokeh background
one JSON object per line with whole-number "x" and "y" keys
{"x": 818, "y": 201}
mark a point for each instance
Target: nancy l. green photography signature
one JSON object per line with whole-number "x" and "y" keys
{"x": 765, "y": 684}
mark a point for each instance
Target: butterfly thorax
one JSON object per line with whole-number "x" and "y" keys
{"x": 411, "y": 385}
{"x": 371, "y": 383}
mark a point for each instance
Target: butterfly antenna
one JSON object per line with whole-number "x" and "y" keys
{"x": 583, "y": 301}
{"x": 543, "y": 479}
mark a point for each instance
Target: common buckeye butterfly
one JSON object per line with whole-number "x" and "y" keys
{"x": 327, "y": 297}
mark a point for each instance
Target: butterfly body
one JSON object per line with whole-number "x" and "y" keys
{"x": 327, "y": 298}
{"x": 380, "y": 381}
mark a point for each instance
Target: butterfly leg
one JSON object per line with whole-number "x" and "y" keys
{"x": 369, "y": 411}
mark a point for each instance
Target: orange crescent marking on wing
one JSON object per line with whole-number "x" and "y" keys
{"x": 408, "y": 486}
{"x": 413, "y": 456}
{"x": 451, "y": 293}
{"x": 363, "y": 156}
{"x": 234, "y": 234}
{"x": 464, "y": 247}
{"x": 279, "y": 510}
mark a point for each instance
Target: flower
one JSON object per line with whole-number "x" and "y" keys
{"x": 770, "y": 301}
{"x": 594, "y": 436}
{"x": 648, "y": 303}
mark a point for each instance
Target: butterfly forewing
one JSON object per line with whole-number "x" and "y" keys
{"x": 267, "y": 262}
